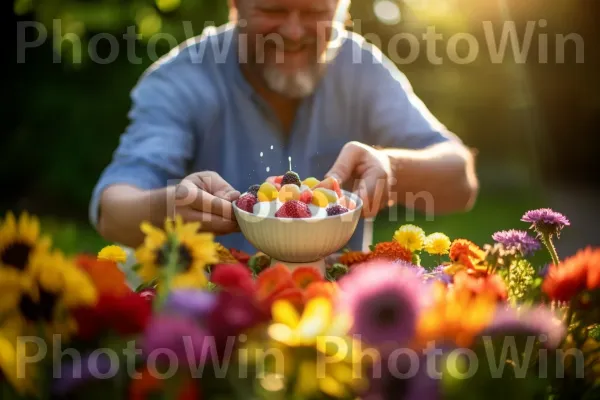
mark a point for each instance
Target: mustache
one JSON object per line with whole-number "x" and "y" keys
{"x": 282, "y": 44}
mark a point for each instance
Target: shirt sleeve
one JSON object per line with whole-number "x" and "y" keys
{"x": 396, "y": 117}
{"x": 158, "y": 142}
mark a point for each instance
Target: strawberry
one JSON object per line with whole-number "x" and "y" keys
{"x": 306, "y": 196}
{"x": 293, "y": 209}
{"x": 247, "y": 202}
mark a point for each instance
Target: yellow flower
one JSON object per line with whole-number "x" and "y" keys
{"x": 194, "y": 251}
{"x": 320, "y": 328}
{"x": 112, "y": 253}
{"x": 59, "y": 285}
{"x": 224, "y": 255}
{"x": 19, "y": 242}
{"x": 437, "y": 243}
{"x": 9, "y": 352}
{"x": 410, "y": 236}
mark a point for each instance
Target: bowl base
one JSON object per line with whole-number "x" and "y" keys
{"x": 319, "y": 265}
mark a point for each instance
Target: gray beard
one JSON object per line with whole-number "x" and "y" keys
{"x": 301, "y": 84}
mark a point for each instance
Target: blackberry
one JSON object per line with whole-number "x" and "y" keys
{"x": 336, "y": 209}
{"x": 291, "y": 177}
{"x": 254, "y": 189}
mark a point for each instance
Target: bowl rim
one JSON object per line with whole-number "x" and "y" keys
{"x": 359, "y": 205}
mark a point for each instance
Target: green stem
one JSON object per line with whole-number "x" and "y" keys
{"x": 168, "y": 272}
{"x": 547, "y": 241}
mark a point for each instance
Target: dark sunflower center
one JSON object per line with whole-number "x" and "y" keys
{"x": 184, "y": 257}
{"x": 16, "y": 255}
{"x": 38, "y": 311}
{"x": 386, "y": 315}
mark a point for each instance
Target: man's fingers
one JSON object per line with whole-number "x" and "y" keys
{"x": 373, "y": 189}
{"x": 345, "y": 163}
{"x": 210, "y": 222}
{"x": 187, "y": 194}
{"x": 214, "y": 184}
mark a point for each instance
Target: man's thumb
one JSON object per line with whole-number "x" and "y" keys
{"x": 344, "y": 164}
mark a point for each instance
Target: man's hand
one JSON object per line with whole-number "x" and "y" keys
{"x": 206, "y": 197}
{"x": 367, "y": 171}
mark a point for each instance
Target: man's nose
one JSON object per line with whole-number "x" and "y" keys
{"x": 292, "y": 28}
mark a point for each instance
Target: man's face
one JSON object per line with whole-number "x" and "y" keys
{"x": 285, "y": 40}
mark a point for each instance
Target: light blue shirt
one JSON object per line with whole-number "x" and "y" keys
{"x": 193, "y": 110}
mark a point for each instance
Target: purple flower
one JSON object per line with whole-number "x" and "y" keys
{"x": 546, "y": 221}
{"x": 177, "y": 335}
{"x": 419, "y": 270}
{"x": 73, "y": 374}
{"x": 193, "y": 303}
{"x": 404, "y": 377}
{"x": 439, "y": 274}
{"x": 518, "y": 240}
{"x": 537, "y": 321}
{"x": 384, "y": 301}
{"x": 544, "y": 271}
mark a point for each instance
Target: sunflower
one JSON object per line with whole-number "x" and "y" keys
{"x": 59, "y": 285}
{"x": 194, "y": 251}
{"x": 224, "y": 255}
{"x": 19, "y": 242}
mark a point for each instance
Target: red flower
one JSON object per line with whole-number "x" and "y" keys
{"x": 240, "y": 255}
{"x": 142, "y": 388}
{"x": 125, "y": 315}
{"x": 233, "y": 277}
{"x": 574, "y": 275}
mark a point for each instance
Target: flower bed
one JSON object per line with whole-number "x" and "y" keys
{"x": 216, "y": 323}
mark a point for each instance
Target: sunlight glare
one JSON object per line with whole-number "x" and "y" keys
{"x": 387, "y": 11}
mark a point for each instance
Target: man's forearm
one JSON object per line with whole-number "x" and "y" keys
{"x": 123, "y": 208}
{"x": 439, "y": 179}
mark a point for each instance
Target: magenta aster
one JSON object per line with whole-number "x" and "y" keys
{"x": 538, "y": 321}
{"x": 518, "y": 240}
{"x": 384, "y": 301}
{"x": 546, "y": 221}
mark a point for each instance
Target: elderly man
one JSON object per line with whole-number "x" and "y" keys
{"x": 282, "y": 80}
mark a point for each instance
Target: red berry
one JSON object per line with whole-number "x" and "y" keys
{"x": 278, "y": 179}
{"x": 293, "y": 209}
{"x": 247, "y": 202}
{"x": 306, "y": 196}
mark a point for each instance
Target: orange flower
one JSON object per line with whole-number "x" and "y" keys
{"x": 320, "y": 289}
{"x": 465, "y": 252}
{"x": 391, "y": 251}
{"x": 273, "y": 280}
{"x": 353, "y": 257}
{"x": 143, "y": 387}
{"x": 106, "y": 275}
{"x": 454, "y": 316}
{"x": 293, "y": 295}
{"x": 478, "y": 285}
{"x": 304, "y": 276}
{"x": 574, "y": 275}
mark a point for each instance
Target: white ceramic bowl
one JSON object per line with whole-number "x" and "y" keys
{"x": 299, "y": 240}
